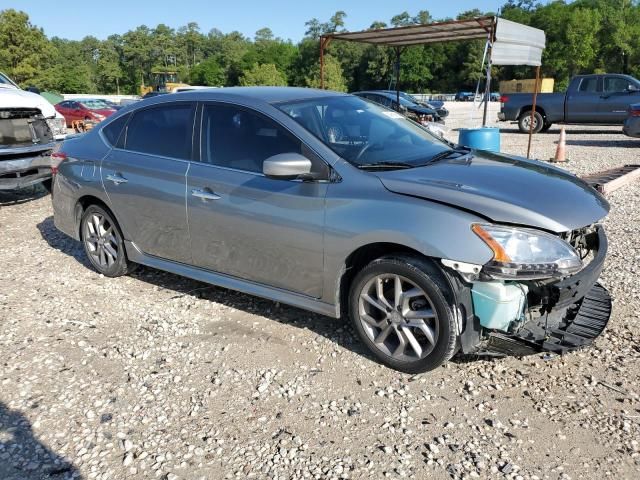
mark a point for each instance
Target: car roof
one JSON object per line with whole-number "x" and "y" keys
{"x": 384, "y": 93}
{"x": 241, "y": 95}
{"x": 263, "y": 94}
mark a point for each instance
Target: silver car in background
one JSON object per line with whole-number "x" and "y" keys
{"x": 333, "y": 204}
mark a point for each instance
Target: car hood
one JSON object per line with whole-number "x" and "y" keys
{"x": 14, "y": 98}
{"x": 420, "y": 110}
{"x": 104, "y": 111}
{"x": 504, "y": 189}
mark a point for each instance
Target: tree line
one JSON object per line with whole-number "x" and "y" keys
{"x": 583, "y": 36}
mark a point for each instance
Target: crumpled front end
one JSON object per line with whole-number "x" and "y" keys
{"x": 523, "y": 317}
{"x": 26, "y": 142}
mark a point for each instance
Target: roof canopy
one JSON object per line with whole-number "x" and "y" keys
{"x": 508, "y": 43}
{"x": 512, "y": 43}
{"x": 455, "y": 30}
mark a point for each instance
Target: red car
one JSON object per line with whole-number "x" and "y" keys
{"x": 84, "y": 109}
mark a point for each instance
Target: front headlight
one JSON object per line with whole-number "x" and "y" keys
{"x": 524, "y": 254}
{"x": 57, "y": 125}
{"x": 99, "y": 117}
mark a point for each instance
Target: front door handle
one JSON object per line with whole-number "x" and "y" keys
{"x": 117, "y": 179}
{"x": 205, "y": 194}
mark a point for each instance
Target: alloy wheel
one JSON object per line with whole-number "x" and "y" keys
{"x": 398, "y": 317}
{"x": 101, "y": 240}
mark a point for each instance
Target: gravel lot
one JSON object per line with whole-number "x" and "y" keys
{"x": 157, "y": 376}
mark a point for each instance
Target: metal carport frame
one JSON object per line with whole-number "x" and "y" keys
{"x": 514, "y": 50}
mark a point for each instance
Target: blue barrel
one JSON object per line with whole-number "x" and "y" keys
{"x": 484, "y": 138}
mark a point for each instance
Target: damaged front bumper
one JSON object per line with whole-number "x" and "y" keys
{"x": 561, "y": 316}
{"x": 22, "y": 167}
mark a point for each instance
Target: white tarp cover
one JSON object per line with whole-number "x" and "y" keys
{"x": 517, "y": 44}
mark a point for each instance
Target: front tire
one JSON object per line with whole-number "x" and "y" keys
{"x": 525, "y": 120}
{"x": 103, "y": 242}
{"x": 399, "y": 307}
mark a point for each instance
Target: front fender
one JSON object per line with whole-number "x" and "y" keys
{"x": 354, "y": 219}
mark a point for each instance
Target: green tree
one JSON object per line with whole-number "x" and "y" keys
{"x": 581, "y": 40}
{"x": 265, "y": 74}
{"x": 333, "y": 77}
{"x": 208, "y": 72}
{"x": 24, "y": 49}
{"x": 109, "y": 71}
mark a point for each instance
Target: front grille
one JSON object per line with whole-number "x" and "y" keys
{"x": 23, "y": 126}
{"x": 17, "y": 113}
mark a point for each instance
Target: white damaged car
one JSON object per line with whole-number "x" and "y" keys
{"x": 30, "y": 129}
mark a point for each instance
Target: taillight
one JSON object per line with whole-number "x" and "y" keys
{"x": 56, "y": 159}
{"x": 504, "y": 99}
{"x": 634, "y": 112}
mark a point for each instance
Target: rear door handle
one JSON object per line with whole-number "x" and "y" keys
{"x": 205, "y": 194}
{"x": 117, "y": 179}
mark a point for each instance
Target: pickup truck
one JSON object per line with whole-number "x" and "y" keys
{"x": 590, "y": 99}
{"x": 29, "y": 132}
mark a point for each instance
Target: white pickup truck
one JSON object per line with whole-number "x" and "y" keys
{"x": 30, "y": 129}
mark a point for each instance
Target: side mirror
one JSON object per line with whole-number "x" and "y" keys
{"x": 287, "y": 166}
{"x": 633, "y": 88}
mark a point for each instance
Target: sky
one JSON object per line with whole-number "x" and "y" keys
{"x": 286, "y": 18}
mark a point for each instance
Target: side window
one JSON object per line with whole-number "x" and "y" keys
{"x": 387, "y": 102}
{"x": 113, "y": 131}
{"x": 237, "y": 138}
{"x": 615, "y": 84}
{"x": 164, "y": 130}
{"x": 589, "y": 85}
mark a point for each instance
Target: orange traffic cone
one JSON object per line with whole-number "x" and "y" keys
{"x": 562, "y": 146}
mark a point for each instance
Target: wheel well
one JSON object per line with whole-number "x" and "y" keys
{"x": 361, "y": 257}
{"x": 528, "y": 108}
{"x": 85, "y": 202}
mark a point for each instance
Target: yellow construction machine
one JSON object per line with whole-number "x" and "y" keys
{"x": 161, "y": 81}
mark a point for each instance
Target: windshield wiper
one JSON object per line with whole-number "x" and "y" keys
{"x": 449, "y": 153}
{"x": 384, "y": 165}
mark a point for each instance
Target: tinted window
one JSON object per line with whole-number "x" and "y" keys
{"x": 589, "y": 85}
{"x": 383, "y": 101}
{"x": 164, "y": 130}
{"x": 364, "y": 133}
{"x": 114, "y": 129}
{"x": 241, "y": 139}
{"x": 615, "y": 84}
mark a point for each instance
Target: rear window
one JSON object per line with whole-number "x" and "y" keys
{"x": 113, "y": 131}
{"x": 164, "y": 130}
{"x": 589, "y": 85}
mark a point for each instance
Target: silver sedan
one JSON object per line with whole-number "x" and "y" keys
{"x": 334, "y": 204}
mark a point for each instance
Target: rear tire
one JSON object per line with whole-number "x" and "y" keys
{"x": 103, "y": 242}
{"x": 525, "y": 119}
{"x": 545, "y": 127}
{"x": 399, "y": 307}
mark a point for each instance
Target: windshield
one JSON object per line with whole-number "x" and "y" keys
{"x": 409, "y": 98}
{"x": 4, "y": 80}
{"x": 94, "y": 104}
{"x": 364, "y": 133}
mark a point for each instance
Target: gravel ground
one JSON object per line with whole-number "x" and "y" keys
{"x": 157, "y": 376}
